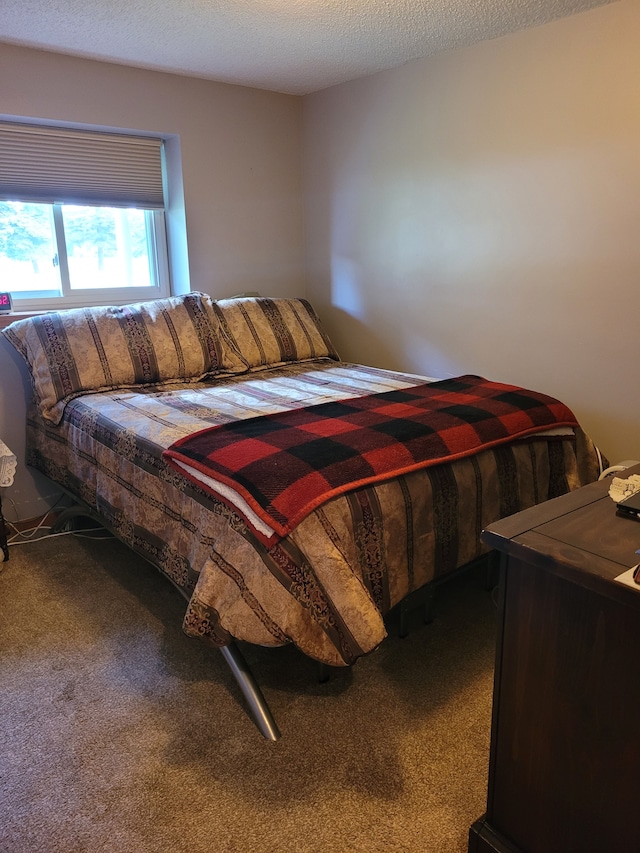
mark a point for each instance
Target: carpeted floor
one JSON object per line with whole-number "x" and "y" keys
{"x": 119, "y": 733}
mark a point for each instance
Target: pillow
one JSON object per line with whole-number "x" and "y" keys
{"x": 259, "y": 332}
{"x": 81, "y": 350}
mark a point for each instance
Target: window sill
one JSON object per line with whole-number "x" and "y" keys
{"x": 7, "y": 319}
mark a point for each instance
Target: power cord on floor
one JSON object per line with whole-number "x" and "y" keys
{"x": 79, "y": 534}
{"x": 36, "y": 533}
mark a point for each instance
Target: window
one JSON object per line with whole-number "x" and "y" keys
{"x": 81, "y": 218}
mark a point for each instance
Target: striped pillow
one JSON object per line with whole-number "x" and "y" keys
{"x": 81, "y": 350}
{"x": 260, "y": 332}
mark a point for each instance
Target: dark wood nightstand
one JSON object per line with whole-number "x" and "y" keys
{"x": 564, "y": 770}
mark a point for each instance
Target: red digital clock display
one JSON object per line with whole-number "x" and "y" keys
{"x": 5, "y": 302}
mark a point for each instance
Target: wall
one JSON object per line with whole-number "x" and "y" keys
{"x": 476, "y": 211}
{"x": 479, "y": 211}
{"x": 240, "y": 197}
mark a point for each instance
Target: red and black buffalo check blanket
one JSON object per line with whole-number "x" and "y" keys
{"x": 282, "y": 466}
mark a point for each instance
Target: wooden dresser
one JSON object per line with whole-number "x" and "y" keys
{"x": 564, "y": 774}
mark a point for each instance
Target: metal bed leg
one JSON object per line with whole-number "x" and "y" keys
{"x": 259, "y": 709}
{"x": 324, "y": 673}
{"x": 403, "y": 630}
{"x": 260, "y": 712}
{"x": 424, "y": 597}
{"x": 430, "y": 594}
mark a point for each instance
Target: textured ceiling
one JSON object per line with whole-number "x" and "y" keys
{"x": 294, "y": 46}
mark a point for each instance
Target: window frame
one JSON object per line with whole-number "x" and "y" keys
{"x": 150, "y": 196}
{"x": 83, "y": 297}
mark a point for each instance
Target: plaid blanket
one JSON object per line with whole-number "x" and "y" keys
{"x": 277, "y": 468}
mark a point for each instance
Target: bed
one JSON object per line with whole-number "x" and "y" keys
{"x": 117, "y": 389}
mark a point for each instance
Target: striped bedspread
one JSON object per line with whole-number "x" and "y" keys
{"x": 328, "y": 584}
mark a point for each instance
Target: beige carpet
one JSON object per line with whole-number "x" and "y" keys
{"x": 118, "y": 733}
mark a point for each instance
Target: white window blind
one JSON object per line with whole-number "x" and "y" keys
{"x": 54, "y": 164}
